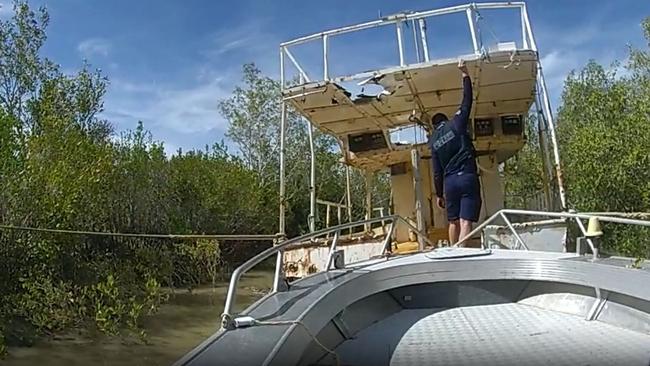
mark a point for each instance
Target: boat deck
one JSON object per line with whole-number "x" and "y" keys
{"x": 500, "y": 334}
{"x": 449, "y": 307}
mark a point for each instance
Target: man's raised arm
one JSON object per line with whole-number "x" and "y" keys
{"x": 461, "y": 119}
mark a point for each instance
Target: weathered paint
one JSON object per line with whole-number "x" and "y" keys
{"x": 310, "y": 258}
{"x": 545, "y": 236}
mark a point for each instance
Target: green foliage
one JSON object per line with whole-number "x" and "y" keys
{"x": 523, "y": 173}
{"x": 604, "y": 142}
{"x": 108, "y": 306}
{"x": 113, "y": 305}
{"x": 3, "y": 345}
{"x": 604, "y": 145}
{"x": 62, "y": 166}
{"x": 47, "y": 305}
{"x": 254, "y": 120}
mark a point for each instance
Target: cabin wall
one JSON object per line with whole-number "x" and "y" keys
{"x": 435, "y": 218}
{"x": 403, "y": 201}
{"x": 492, "y": 192}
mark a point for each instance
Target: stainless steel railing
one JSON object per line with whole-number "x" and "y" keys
{"x": 393, "y": 220}
{"x": 399, "y": 21}
{"x": 503, "y": 214}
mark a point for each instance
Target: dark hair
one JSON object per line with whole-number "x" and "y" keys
{"x": 437, "y": 118}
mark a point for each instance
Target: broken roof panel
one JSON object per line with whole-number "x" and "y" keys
{"x": 504, "y": 83}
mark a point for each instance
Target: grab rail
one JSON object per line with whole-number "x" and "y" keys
{"x": 399, "y": 20}
{"x": 227, "y": 320}
{"x": 566, "y": 215}
{"x": 226, "y": 317}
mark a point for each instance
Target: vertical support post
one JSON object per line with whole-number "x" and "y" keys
{"x": 547, "y": 111}
{"x": 524, "y": 34}
{"x": 388, "y": 239}
{"x": 529, "y": 30}
{"x": 415, "y": 165}
{"x": 415, "y": 41}
{"x": 400, "y": 46}
{"x": 283, "y": 122}
{"x": 327, "y": 215}
{"x": 472, "y": 28}
{"x": 338, "y": 215}
{"x": 282, "y": 76}
{"x": 592, "y": 245}
{"x": 423, "y": 36}
{"x": 312, "y": 179}
{"x": 368, "y": 176}
{"x": 326, "y": 73}
{"x": 278, "y": 269}
{"x": 551, "y": 125}
{"x": 330, "y": 256}
{"x": 282, "y": 223}
{"x": 348, "y": 195}
{"x": 543, "y": 150}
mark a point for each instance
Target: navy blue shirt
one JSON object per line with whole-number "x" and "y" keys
{"x": 459, "y": 124}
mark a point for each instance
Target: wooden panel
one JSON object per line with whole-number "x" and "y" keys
{"x": 499, "y": 90}
{"x": 404, "y": 202}
{"x": 333, "y": 113}
{"x": 491, "y": 187}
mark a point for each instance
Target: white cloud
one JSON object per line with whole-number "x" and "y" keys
{"x": 252, "y": 41}
{"x": 185, "y": 114}
{"x": 182, "y": 110}
{"x": 94, "y": 46}
{"x": 557, "y": 64}
{"x": 248, "y": 34}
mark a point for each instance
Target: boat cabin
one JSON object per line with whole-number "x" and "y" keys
{"x": 506, "y": 83}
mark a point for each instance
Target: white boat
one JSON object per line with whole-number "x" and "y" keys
{"x": 389, "y": 290}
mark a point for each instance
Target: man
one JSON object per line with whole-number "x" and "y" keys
{"x": 454, "y": 165}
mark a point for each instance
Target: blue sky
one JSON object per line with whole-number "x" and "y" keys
{"x": 169, "y": 61}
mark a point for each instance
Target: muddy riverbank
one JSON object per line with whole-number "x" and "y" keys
{"x": 181, "y": 324}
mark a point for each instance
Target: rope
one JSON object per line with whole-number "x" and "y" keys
{"x": 480, "y": 17}
{"x": 133, "y": 235}
{"x": 298, "y": 322}
{"x": 512, "y": 60}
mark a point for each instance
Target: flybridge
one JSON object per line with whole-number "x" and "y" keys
{"x": 507, "y": 80}
{"x": 369, "y": 111}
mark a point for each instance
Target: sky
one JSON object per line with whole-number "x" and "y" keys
{"x": 170, "y": 62}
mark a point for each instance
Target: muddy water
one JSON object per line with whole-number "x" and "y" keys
{"x": 181, "y": 324}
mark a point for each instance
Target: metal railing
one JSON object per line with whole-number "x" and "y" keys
{"x": 340, "y": 209}
{"x": 398, "y": 20}
{"x": 393, "y": 220}
{"x": 605, "y": 217}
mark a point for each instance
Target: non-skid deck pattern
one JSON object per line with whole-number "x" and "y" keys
{"x": 503, "y": 334}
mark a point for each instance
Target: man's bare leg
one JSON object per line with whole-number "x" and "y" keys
{"x": 465, "y": 228}
{"x": 454, "y": 229}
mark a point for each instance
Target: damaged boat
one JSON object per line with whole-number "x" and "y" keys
{"x": 521, "y": 289}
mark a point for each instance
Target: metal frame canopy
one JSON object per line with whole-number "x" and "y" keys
{"x": 368, "y": 116}
{"x": 398, "y": 20}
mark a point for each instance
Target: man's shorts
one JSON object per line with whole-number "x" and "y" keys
{"x": 463, "y": 196}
